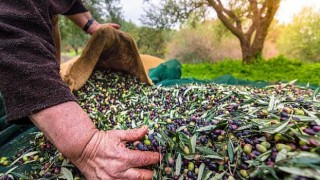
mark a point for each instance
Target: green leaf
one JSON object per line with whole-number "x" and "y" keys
{"x": 19, "y": 175}
{"x": 213, "y": 157}
{"x": 184, "y": 138}
{"x": 178, "y": 165}
{"x": 264, "y": 156}
{"x": 181, "y": 177}
{"x": 162, "y": 142}
{"x": 166, "y": 137}
{"x": 181, "y": 128}
{"x": 66, "y": 173}
{"x": 306, "y": 118}
{"x": 289, "y": 83}
{"x": 201, "y": 170}
{"x": 27, "y": 154}
{"x": 276, "y": 128}
{"x": 193, "y": 142}
{"x": 315, "y": 93}
{"x": 271, "y": 103}
{"x": 307, "y": 172}
{"x": 245, "y": 127}
{"x": 301, "y": 154}
{"x": 311, "y": 114}
{"x": 218, "y": 176}
{"x": 155, "y": 175}
{"x": 281, "y": 155}
{"x": 206, "y": 128}
{"x": 273, "y": 173}
{"x": 230, "y": 151}
{"x": 207, "y": 175}
{"x": 189, "y": 157}
{"x": 305, "y": 160}
{"x": 306, "y": 138}
{"x": 207, "y": 151}
{"x": 11, "y": 170}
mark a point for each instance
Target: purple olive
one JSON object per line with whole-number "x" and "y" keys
{"x": 316, "y": 129}
{"x": 309, "y": 131}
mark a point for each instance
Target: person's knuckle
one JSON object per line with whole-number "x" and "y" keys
{"x": 146, "y": 159}
{"x": 138, "y": 175}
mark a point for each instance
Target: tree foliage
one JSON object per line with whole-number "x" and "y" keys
{"x": 114, "y": 11}
{"x": 301, "y": 38}
{"x": 248, "y": 20}
{"x": 71, "y": 35}
{"x": 151, "y": 41}
{"x": 208, "y": 41}
{"x": 102, "y": 10}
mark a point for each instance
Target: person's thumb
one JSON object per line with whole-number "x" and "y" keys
{"x": 133, "y": 134}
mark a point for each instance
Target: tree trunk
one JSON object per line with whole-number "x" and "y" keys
{"x": 261, "y": 14}
{"x": 250, "y": 52}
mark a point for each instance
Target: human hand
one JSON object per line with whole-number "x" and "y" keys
{"x": 95, "y": 26}
{"x": 106, "y": 156}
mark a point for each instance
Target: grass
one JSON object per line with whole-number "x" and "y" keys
{"x": 273, "y": 70}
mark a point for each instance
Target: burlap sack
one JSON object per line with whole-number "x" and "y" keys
{"x": 108, "y": 48}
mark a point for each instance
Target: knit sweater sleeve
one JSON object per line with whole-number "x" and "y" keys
{"x": 29, "y": 73}
{"x": 76, "y": 8}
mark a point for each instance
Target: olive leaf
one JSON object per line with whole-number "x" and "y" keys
{"x": 201, "y": 171}
{"x": 178, "y": 165}
{"x": 207, "y": 151}
{"x": 206, "y": 128}
{"x": 230, "y": 151}
{"x": 24, "y": 155}
{"x": 214, "y": 157}
{"x": 193, "y": 143}
{"x": 315, "y": 93}
{"x": 271, "y": 103}
{"x": 281, "y": 155}
{"x": 306, "y": 172}
{"x": 66, "y": 174}
{"x": 276, "y": 128}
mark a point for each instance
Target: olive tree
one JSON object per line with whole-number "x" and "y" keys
{"x": 248, "y": 20}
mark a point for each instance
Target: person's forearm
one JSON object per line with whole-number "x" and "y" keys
{"x": 67, "y": 126}
{"x": 81, "y": 20}
{"x": 97, "y": 154}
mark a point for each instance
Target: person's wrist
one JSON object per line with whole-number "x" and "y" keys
{"x": 88, "y": 24}
{"x": 93, "y": 28}
{"x": 85, "y": 162}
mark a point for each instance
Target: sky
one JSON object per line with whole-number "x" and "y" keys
{"x": 133, "y": 9}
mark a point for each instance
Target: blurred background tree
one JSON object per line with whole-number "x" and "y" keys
{"x": 248, "y": 20}
{"x": 149, "y": 40}
{"x": 301, "y": 38}
{"x": 193, "y": 34}
{"x": 72, "y": 37}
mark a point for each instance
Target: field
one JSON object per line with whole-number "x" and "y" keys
{"x": 273, "y": 70}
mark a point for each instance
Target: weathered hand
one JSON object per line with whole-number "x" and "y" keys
{"x": 95, "y": 26}
{"x": 106, "y": 156}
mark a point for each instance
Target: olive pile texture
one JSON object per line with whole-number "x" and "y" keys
{"x": 206, "y": 131}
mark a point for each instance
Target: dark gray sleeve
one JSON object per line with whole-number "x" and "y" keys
{"x": 76, "y": 8}
{"x": 29, "y": 74}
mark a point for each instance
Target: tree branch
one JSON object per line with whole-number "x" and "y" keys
{"x": 271, "y": 7}
{"x": 219, "y": 10}
{"x": 255, "y": 17}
